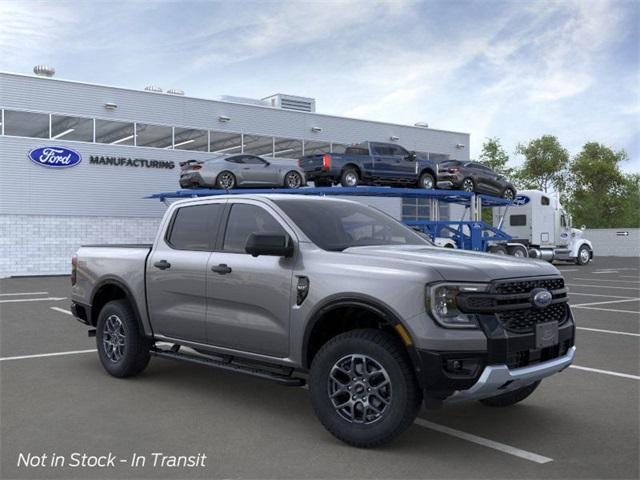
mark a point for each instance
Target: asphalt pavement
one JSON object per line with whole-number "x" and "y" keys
{"x": 56, "y": 399}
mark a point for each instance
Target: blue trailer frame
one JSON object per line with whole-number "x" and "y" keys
{"x": 471, "y": 234}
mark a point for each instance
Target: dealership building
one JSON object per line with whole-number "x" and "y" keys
{"x": 127, "y": 144}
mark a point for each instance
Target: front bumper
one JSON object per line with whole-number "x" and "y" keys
{"x": 498, "y": 379}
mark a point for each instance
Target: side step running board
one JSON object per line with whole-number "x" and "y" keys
{"x": 229, "y": 366}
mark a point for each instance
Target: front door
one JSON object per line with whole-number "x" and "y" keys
{"x": 249, "y": 299}
{"x": 257, "y": 171}
{"x": 177, "y": 273}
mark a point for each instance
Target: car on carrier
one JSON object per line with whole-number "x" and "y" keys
{"x": 242, "y": 170}
{"x": 335, "y": 293}
{"x": 474, "y": 177}
{"x": 371, "y": 163}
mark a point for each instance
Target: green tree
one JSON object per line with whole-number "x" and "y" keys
{"x": 494, "y": 156}
{"x": 600, "y": 195}
{"x": 545, "y": 164}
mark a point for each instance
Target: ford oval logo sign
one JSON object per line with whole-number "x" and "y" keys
{"x": 55, "y": 157}
{"x": 542, "y": 298}
{"x": 521, "y": 200}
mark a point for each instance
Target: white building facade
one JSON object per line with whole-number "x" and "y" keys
{"x": 129, "y": 144}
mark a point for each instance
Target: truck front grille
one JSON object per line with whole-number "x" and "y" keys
{"x": 525, "y": 286}
{"x": 524, "y": 321}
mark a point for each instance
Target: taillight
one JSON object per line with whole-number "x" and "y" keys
{"x": 299, "y": 162}
{"x": 326, "y": 161}
{"x": 196, "y": 167}
{"x": 454, "y": 170}
{"x": 74, "y": 269}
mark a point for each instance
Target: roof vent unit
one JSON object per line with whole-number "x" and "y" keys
{"x": 244, "y": 100}
{"x": 44, "y": 71}
{"x": 153, "y": 88}
{"x": 291, "y": 102}
{"x": 175, "y": 91}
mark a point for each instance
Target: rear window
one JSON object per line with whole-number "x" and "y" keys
{"x": 356, "y": 151}
{"x": 194, "y": 228}
{"x": 518, "y": 220}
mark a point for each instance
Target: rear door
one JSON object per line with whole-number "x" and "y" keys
{"x": 249, "y": 298}
{"x": 177, "y": 272}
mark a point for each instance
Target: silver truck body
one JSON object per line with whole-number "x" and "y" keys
{"x": 252, "y": 312}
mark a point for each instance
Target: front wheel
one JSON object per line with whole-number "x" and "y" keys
{"x": 584, "y": 255}
{"x": 510, "y": 398}
{"x": 363, "y": 388}
{"x": 427, "y": 181}
{"x": 122, "y": 348}
{"x": 293, "y": 180}
{"x": 509, "y": 194}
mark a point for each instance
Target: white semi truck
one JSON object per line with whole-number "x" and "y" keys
{"x": 541, "y": 228}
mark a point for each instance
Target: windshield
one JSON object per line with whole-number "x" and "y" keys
{"x": 334, "y": 225}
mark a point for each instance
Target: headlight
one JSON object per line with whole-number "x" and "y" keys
{"x": 443, "y": 305}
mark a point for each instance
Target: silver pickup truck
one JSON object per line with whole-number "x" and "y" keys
{"x": 295, "y": 289}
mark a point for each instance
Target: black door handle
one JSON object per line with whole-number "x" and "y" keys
{"x": 222, "y": 269}
{"x": 162, "y": 264}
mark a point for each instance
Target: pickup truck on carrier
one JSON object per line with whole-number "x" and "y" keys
{"x": 293, "y": 288}
{"x": 371, "y": 163}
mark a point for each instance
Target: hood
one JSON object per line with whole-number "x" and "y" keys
{"x": 460, "y": 265}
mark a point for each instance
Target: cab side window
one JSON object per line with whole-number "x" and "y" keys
{"x": 195, "y": 228}
{"x": 244, "y": 220}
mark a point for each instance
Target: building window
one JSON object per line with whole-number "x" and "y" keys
{"x": 71, "y": 128}
{"x": 287, "y": 148}
{"x": 114, "y": 133}
{"x": 157, "y": 136}
{"x": 26, "y": 124}
{"x": 190, "y": 139}
{"x": 225, "y": 142}
{"x": 315, "y": 148}
{"x": 415, "y": 209}
{"x": 258, "y": 145}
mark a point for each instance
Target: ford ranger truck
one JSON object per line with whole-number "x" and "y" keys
{"x": 371, "y": 163}
{"x": 335, "y": 293}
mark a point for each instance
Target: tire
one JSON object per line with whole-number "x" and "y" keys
{"x": 388, "y": 361}
{"x": 349, "y": 177}
{"x": 498, "y": 249}
{"x": 132, "y": 356}
{"x": 584, "y": 255}
{"x": 427, "y": 181}
{"x": 508, "y": 194}
{"x": 510, "y": 398}
{"x": 519, "y": 251}
{"x": 226, "y": 180}
{"x": 293, "y": 180}
{"x": 468, "y": 185}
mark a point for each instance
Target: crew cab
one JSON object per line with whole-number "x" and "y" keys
{"x": 371, "y": 163}
{"x": 332, "y": 292}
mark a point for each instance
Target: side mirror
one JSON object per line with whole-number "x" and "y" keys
{"x": 276, "y": 245}
{"x": 412, "y": 156}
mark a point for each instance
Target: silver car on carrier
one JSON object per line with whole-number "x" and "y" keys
{"x": 241, "y": 170}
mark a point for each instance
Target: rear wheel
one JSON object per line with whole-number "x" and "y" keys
{"x": 498, "y": 249}
{"x": 363, "y": 388}
{"x": 122, "y": 348}
{"x": 226, "y": 180}
{"x": 510, "y": 398}
{"x": 293, "y": 180}
{"x": 519, "y": 251}
{"x": 584, "y": 255}
{"x": 427, "y": 181}
{"x": 468, "y": 185}
{"x": 349, "y": 178}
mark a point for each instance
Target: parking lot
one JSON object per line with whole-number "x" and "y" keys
{"x": 56, "y": 398}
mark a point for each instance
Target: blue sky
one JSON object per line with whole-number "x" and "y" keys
{"x": 515, "y": 70}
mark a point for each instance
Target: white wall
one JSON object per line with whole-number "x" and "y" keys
{"x": 608, "y": 242}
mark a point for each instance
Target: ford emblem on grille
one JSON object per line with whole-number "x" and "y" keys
{"x": 55, "y": 157}
{"x": 541, "y": 297}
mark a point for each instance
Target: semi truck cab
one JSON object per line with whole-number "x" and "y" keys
{"x": 537, "y": 221}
